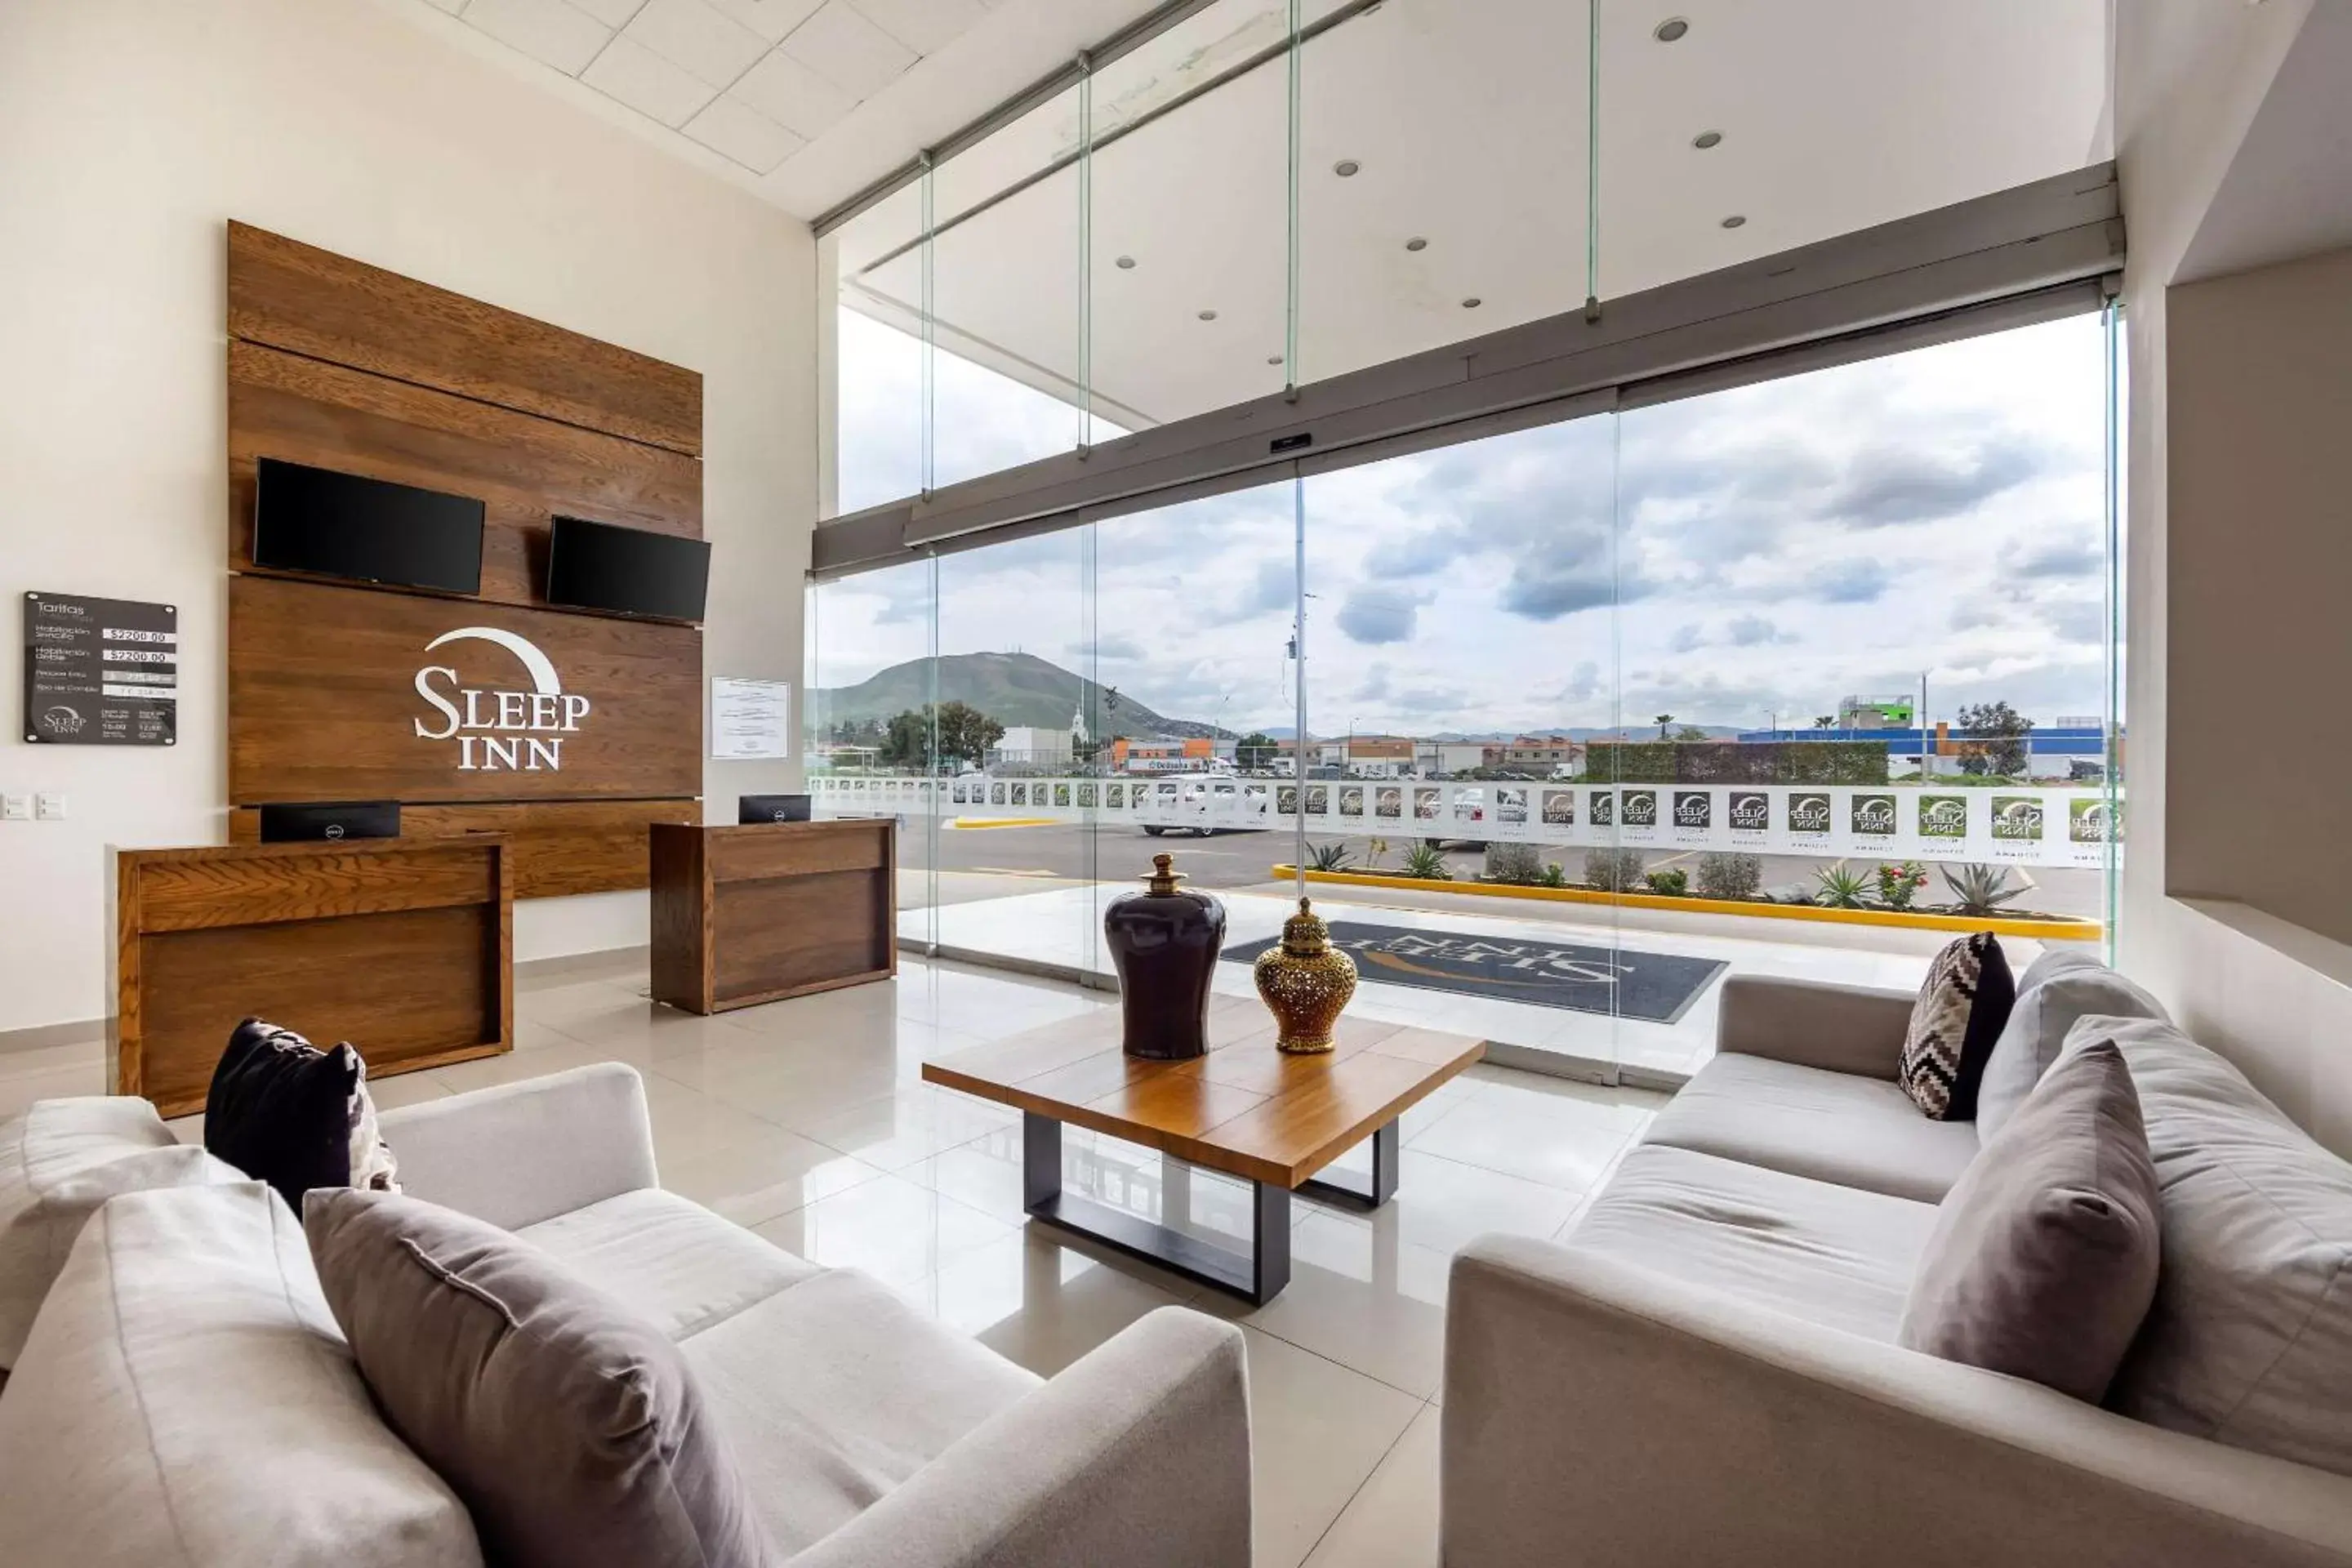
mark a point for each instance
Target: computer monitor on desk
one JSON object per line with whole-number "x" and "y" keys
{"x": 751, "y": 808}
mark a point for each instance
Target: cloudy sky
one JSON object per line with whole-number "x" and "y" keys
{"x": 1725, "y": 559}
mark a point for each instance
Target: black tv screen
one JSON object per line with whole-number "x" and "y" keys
{"x": 372, "y": 530}
{"x": 602, "y": 566}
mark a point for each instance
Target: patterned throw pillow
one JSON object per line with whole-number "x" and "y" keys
{"x": 1959, "y": 1016}
{"x": 288, "y": 1113}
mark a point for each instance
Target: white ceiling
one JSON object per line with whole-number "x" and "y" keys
{"x": 1467, "y": 120}
{"x": 804, "y": 101}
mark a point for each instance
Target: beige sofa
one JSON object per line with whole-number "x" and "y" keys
{"x": 163, "y": 1395}
{"x": 1706, "y": 1370}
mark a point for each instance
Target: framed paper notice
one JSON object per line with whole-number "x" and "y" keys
{"x": 100, "y": 672}
{"x": 749, "y": 719}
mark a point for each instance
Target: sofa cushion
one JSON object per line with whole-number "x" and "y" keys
{"x": 1835, "y": 1127}
{"x": 186, "y": 1399}
{"x": 2249, "y": 1341}
{"x": 58, "y": 1162}
{"x": 1828, "y": 1254}
{"x": 1962, "y": 1009}
{"x": 673, "y": 1261}
{"x": 2043, "y": 1258}
{"x": 836, "y": 1391}
{"x": 2062, "y": 985}
{"x": 286, "y": 1112}
{"x": 570, "y": 1426}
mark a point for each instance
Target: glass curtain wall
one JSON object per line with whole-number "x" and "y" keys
{"x": 1570, "y": 720}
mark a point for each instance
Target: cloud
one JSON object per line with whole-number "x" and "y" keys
{"x": 1276, "y": 587}
{"x": 2055, "y": 557}
{"x": 1417, "y": 554}
{"x": 1753, "y": 631}
{"x": 1688, "y": 638}
{"x": 1583, "y": 683}
{"x": 1909, "y": 481}
{"x": 1546, "y": 595}
{"x": 1117, "y": 646}
{"x": 1853, "y": 580}
{"x": 1375, "y": 615}
{"x": 1374, "y": 686}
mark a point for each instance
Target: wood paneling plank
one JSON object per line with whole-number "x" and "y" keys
{"x": 314, "y": 302}
{"x": 560, "y": 847}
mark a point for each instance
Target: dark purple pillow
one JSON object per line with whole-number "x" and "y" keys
{"x": 288, "y": 1113}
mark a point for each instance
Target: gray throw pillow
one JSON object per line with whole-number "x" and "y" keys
{"x": 2060, "y": 986}
{"x": 2042, "y": 1260}
{"x": 568, "y": 1425}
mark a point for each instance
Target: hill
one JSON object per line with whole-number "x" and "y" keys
{"x": 1014, "y": 689}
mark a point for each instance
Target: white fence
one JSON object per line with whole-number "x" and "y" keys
{"x": 2022, "y": 825}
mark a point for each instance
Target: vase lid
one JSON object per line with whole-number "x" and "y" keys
{"x": 1303, "y": 934}
{"x": 1164, "y": 875}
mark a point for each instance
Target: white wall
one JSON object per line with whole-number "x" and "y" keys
{"x": 2192, "y": 78}
{"x": 130, "y": 132}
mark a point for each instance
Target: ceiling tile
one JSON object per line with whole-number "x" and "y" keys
{"x": 848, "y": 50}
{"x": 744, "y": 134}
{"x": 794, "y": 96}
{"x": 612, "y": 13}
{"x": 691, "y": 34}
{"x": 548, "y": 31}
{"x": 648, "y": 83}
{"x": 923, "y": 26}
{"x": 772, "y": 19}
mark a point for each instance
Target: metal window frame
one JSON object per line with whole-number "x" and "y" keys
{"x": 2033, "y": 253}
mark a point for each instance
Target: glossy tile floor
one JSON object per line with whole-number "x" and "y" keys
{"x": 806, "y": 1121}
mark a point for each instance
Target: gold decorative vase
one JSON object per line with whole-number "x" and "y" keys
{"x": 1305, "y": 983}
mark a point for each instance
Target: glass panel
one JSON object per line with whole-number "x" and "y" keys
{"x": 871, "y": 681}
{"x": 1730, "y": 132}
{"x": 1461, "y": 629}
{"x": 877, "y": 386}
{"x": 1442, "y": 176}
{"x": 1865, "y": 617}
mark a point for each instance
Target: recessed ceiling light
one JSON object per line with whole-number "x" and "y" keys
{"x": 1735, "y": 220}
{"x": 1416, "y": 243}
{"x": 1208, "y": 315}
{"x": 1472, "y": 303}
{"x": 1345, "y": 167}
{"x": 1125, "y": 264}
{"x": 1668, "y": 31}
{"x": 1273, "y": 359}
{"x": 1706, "y": 139}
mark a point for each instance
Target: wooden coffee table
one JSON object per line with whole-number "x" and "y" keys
{"x": 1244, "y": 1109}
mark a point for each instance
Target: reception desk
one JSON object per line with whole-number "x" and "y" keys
{"x": 403, "y": 947}
{"x": 745, "y": 915}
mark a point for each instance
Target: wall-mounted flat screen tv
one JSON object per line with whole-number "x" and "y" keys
{"x": 629, "y": 570}
{"x": 372, "y": 530}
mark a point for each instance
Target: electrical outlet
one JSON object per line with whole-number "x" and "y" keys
{"x": 49, "y": 806}
{"x": 15, "y": 808}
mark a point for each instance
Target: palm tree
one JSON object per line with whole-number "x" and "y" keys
{"x": 1825, "y": 721}
{"x": 1662, "y": 721}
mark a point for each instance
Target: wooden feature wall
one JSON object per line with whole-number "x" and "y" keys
{"x": 404, "y": 948}
{"x": 752, "y": 914}
{"x": 343, "y": 365}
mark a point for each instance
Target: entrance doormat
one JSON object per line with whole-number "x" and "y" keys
{"x": 1654, "y": 987}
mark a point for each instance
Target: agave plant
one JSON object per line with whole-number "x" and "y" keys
{"x": 1979, "y": 889}
{"x": 1555, "y": 875}
{"x": 1331, "y": 857}
{"x": 1840, "y": 888}
{"x": 1427, "y": 862}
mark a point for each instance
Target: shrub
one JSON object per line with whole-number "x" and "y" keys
{"x": 1427, "y": 862}
{"x": 1614, "y": 870}
{"x": 1734, "y": 761}
{"x": 1671, "y": 882}
{"x": 1515, "y": 863}
{"x": 1840, "y": 888}
{"x": 1331, "y": 857}
{"x": 1555, "y": 875}
{"x": 1899, "y": 882}
{"x": 1979, "y": 889}
{"x": 1725, "y": 874}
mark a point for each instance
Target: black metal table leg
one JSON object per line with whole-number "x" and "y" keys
{"x": 1256, "y": 1276}
{"x": 1384, "y": 1177}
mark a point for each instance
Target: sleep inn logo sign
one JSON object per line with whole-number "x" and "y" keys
{"x": 499, "y": 729}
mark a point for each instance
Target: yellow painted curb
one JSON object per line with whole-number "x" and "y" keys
{"x": 2060, "y": 930}
{"x": 1005, "y": 822}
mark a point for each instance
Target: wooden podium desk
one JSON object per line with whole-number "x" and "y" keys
{"x": 403, "y": 947}
{"x": 745, "y": 915}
